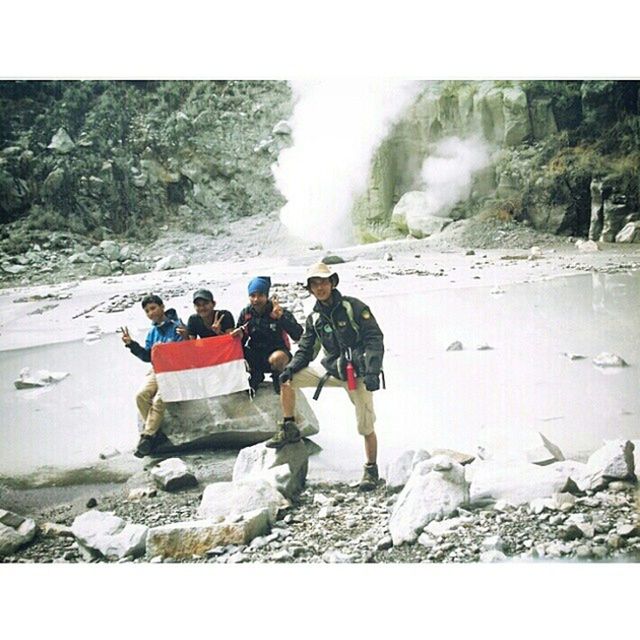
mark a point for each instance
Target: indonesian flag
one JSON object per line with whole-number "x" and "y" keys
{"x": 196, "y": 369}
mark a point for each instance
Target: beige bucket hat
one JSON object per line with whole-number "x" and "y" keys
{"x": 321, "y": 270}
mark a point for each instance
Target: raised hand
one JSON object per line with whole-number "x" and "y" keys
{"x": 217, "y": 321}
{"x": 277, "y": 311}
{"x": 126, "y": 338}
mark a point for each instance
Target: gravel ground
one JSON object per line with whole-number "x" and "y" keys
{"x": 334, "y": 523}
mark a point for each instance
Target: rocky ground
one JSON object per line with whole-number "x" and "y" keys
{"x": 335, "y": 523}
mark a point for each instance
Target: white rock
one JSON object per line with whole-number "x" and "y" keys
{"x": 437, "y": 528}
{"x": 110, "y": 249}
{"x": 587, "y": 246}
{"x": 492, "y": 543}
{"x": 613, "y": 461}
{"x": 103, "y": 533}
{"x": 428, "y": 494}
{"x": 173, "y": 474}
{"x": 606, "y": 359}
{"x": 492, "y": 556}
{"x": 285, "y": 468}
{"x": 61, "y": 142}
{"x": 519, "y": 482}
{"x": 426, "y": 540}
{"x": 40, "y": 378}
{"x": 336, "y": 557}
{"x": 400, "y": 469}
{"x": 15, "y": 531}
{"x": 418, "y": 213}
{"x": 186, "y": 539}
{"x": 226, "y": 499}
{"x": 629, "y": 233}
{"x": 173, "y": 261}
{"x": 455, "y": 346}
{"x": 282, "y": 128}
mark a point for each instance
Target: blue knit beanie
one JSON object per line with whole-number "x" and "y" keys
{"x": 261, "y": 284}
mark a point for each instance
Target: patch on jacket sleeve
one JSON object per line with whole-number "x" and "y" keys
{"x": 366, "y": 314}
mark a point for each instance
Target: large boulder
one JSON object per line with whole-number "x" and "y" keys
{"x": 101, "y": 533}
{"x": 436, "y": 488}
{"x": 417, "y": 213}
{"x": 629, "y": 233}
{"x": 614, "y": 212}
{"x": 231, "y": 421}
{"x": 399, "y": 471}
{"x": 15, "y": 531}
{"x": 517, "y": 122}
{"x": 285, "y": 468}
{"x": 613, "y": 461}
{"x": 222, "y": 500}
{"x": 518, "y": 482}
{"x": 186, "y": 539}
{"x": 173, "y": 261}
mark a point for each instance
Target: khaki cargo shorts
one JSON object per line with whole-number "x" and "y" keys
{"x": 361, "y": 399}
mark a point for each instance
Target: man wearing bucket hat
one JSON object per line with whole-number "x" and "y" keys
{"x": 265, "y": 327}
{"x": 206, "y": 322}
{"x": 353, "y": 348}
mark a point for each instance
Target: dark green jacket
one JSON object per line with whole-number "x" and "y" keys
{"x": 334, "y": 329}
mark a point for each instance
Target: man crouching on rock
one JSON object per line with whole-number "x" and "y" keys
{"x": 351, "y": 340}
{"x": 164, "y": 328}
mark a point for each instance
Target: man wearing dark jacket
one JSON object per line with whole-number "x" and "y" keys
{"x": 265, "y": 328}
{"x": 164, "y": 328}
{"x": 349, "y": 335}
{"x": 206, "y": 322}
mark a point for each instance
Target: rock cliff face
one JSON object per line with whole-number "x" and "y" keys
{"x": 548, "y": 142}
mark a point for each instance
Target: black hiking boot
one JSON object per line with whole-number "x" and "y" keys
{"x": 146, "y": 445}
{"x": 370, "y": 477}
{"x": 287, "y": 433}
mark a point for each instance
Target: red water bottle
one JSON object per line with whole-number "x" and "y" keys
{"x": 351, "y": 375}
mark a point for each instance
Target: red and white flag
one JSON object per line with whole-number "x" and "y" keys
{"x": 196, "y": 369}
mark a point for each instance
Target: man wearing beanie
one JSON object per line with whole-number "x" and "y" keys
{"x": 351, "y": 341}
{"x": 265, "y": 328}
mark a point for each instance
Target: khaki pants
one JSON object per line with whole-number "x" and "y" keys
{"x": 361, "y": 399}
{"x": 150, "y": 404}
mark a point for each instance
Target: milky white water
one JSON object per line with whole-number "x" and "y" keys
{"x": 496, "y": 398}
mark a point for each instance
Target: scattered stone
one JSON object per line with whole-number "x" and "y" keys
{"x": 573, "y": 356}
{"x": 92, "y": 503}
{"x": 388, "y": 257}
{"x": 285, "y": 468}
{"x": 492, "y": 555}
{"x": 571, "y": 532}
{"x": 587, "y": 246}
{"x": 173, "y": 474}
{"x": 182, "y": 540}
{"x": 141, "y": 492}
{"x": 105, "y": 534}
{"x": 55, "y": 530}
{"x": 385, "y": 543}
{"x": 470, "y": 252}
{"x": 606, "y": 359}
{"x": 282, "y": 128}
{"x": 334, "y": 556}
{"x": 456, "y": 456}
{"x": 628, "y": 530}
{"x": 428, "y": 494}
{"x": 173, "y": 261}
{"x": 629, "y": 233}
{"x": 40, "y": 378}
{"x": 332, "y": 259}
{"x": 613, "y": 461}
{"x": 493, "y": 543}
{"x": 15, "y": 532}
{"x": 584, "y": 552}
{"x": 455, "y": 346}
{"x": 225, "y": 499}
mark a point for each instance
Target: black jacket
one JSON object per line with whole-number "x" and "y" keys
{"x": 265, "y": 334}
{"x": 333, "y": 329}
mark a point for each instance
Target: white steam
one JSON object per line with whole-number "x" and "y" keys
{"x": 336, "y": 127}
{"x": 448, "y": 172}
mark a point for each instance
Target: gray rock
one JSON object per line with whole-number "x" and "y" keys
{"x": 14, "y": 269}
{"x": 385, "y": 543}
{"x": 426, "y": 540}
{"x": 587, "y": 246}
{"x": 15, "y": 532}
{"x": 455, "y": 346}
{"x": 629, "y": 233}
{"x": 613, "y": 461}
{"x": 428, "y": 494}
{"x": 399, "y": 470}
{"x": 282, "y": 128}
{"x": 285, "y": 468}
{"x": 135, "y": 267}
{"x": 493, "y": 543}
{"x": 333, "y": 556}
{"x": 545, "y": 454}
{"x": 492, "y": 555}
{"x": 80, "y": 257}
{"x": 40, "y": 378}
{"x": 230, "y": 421}
{"x": 628, "y": 530}
{"x": 584, "y": 552}
{"x": 457, "y": 456}
{"x": 571, "y": 532}
{"x": 61, "y": 142}
{"x": 187, "y": 539}
{"x": 173, "y": 474}
{"x": 222, "y": 500}
{"x": 171, "y": 262}
{"x": 101, "y": 533}
{"x": 520, "y": 482}
{"x": 110, "y": 249}
{"x": 333, "y": 260}
{"x": 100, "y": 269}
{"x": 606, "y": 359}
{"x": 53, "y": 182}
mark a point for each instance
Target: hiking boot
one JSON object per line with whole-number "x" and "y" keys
{"x": 287, "y": 433}
{"x": 369, "y": 478}
{"x": 146, "y": 445}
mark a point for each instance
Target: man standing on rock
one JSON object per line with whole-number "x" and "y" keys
{"x": 352, "y": 343}
{"x": 164, "y": 328}
{"x": 265, "y": 328}
{"x": 206, "y": 322}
